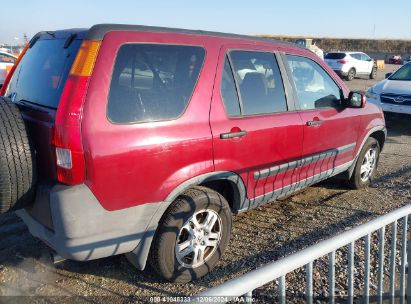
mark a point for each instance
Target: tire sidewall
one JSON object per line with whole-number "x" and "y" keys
{"x": 359, "y": 183}
{"x": 171, "y": 269}
{"x": 351, "y": 74}
{"x": 373, "y": 73}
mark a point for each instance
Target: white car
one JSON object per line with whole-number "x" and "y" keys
{"x": 351, "y": 64}
{"x": 393, "y": 94}
{"x": 6, "y": 61}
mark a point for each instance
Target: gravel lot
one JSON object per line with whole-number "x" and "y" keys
{"x": 260, "y": 236}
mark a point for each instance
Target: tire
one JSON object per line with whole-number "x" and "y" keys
{"x": 17, "y": 168}
{"x": 373, "y": 73}
{"x": 200, "y": 203}
{"x": 351, "y": 74}
{"x": 359, "y": 178}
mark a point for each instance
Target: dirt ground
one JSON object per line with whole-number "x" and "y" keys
{"x": 259, "y": 236}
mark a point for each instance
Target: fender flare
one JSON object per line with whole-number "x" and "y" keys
{"x": 372, "y": 130}
{"x": 138, "y": 257}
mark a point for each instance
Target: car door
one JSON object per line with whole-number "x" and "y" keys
{"x": 358, "y": 63}
{"x": 368, "y": 63}
{"x": 255, "y": 132}
{"x": 330, "y": 129}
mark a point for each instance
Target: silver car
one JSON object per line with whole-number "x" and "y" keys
{"x": 393, "y": 94}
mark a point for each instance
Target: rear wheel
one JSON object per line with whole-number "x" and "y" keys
{"x": 366, "y": 166}
{"x": 17, "y": 171}
{"x": 373, "y": 73}
{"x": 351, "y": 74}
{"x": 192, "y": 235}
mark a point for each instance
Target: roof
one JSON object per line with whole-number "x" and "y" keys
{"x": 98, "y": 31}
{"x": 345, "y": 52}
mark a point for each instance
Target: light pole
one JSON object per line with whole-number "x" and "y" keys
{"x": 17, "y": 39}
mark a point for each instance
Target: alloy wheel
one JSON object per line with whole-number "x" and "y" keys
{"x": 199, "y": 238}
{"x": 368, "y": 164}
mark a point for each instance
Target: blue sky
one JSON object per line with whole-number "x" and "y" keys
{"x": 346, "y": 18}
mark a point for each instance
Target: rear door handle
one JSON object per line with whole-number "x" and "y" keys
{"x": 314, "y": 123}
{"x": 233, "y": 134}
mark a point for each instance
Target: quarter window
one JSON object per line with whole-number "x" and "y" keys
{"x": 229, "y": 91}
{"x": 315, "y": 88}
{"x": 259, "y": 80}
{"x": 153, "y": 82}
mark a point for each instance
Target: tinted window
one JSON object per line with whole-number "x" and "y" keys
{"x": 42, "y": 72}
{"x": 315, "y": 88}
{"x": 258, "y": 77}
{"x": 334, "y": 56}
{"x": 229, "y": 91}
{"x": 153, "y": 82}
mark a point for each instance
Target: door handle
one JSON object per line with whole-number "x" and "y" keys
{"x": 233, "y": 134}
{"x": 314, "y": 123}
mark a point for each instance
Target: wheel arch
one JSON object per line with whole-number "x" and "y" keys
{"x": 379, "y": 133}
{"x": 219, "y": 180}
{"x": 227, "y": 183}
{"x": 380, "y": 136}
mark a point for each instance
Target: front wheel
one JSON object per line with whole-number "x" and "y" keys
{"x": 192, "y": 235}
{"x": 366, "y": 166}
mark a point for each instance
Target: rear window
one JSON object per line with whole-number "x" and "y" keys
{"x": 335, "y": 56}
{"x": 42, "y": 72}
{"x": 153, "y": 82}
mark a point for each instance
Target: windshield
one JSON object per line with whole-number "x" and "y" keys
{"x": 404, "y": 73}
{"x": 335, "y": 56}
{"x": 42, "y": 72}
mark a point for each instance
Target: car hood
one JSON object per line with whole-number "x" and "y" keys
{"x": 393, "y": 87}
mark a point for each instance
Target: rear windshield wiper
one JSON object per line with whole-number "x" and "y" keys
{"x": 37, "y": 37}
{"x": 31, "y": 104}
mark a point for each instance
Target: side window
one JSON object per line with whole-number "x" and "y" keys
{"x": 259, "y": 80}
{"x": 315, "y": 88}
{"x": 153, "y": 82}
{"x": 229, "y": 91}
{"x": 356, "y": 56}
{"x": 365, "y": 57}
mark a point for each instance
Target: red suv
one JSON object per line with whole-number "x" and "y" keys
{"x": 147, "y": 140}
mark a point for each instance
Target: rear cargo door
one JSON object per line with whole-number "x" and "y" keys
{"x": 36, "y": 87}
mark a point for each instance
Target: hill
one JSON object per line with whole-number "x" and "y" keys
{"x": 377, "y": 48}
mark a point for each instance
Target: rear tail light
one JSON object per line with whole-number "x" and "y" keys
{"x": 67, "y": 133}
{"x": 11, "y": 72}
{"x": 342, "y": 61}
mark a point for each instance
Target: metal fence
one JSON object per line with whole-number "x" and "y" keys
{"x": 244, "y": 285}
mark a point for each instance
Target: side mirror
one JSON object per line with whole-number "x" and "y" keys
{"x": 387, "y": 75}
{"x": 356, "y": 100}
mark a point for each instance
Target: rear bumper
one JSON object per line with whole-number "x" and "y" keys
{"x": 79, "y": 228}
